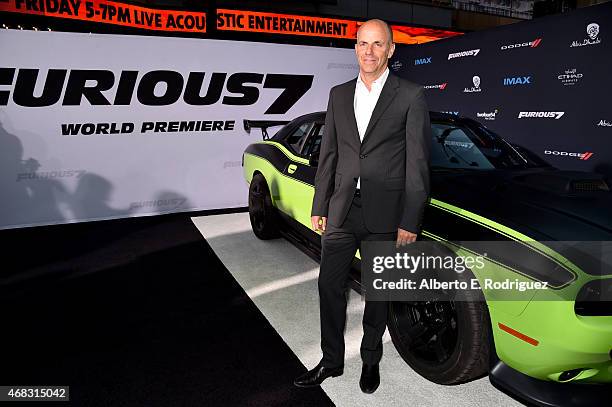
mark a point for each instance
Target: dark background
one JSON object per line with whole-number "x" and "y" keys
{"x": 585, "y": 103}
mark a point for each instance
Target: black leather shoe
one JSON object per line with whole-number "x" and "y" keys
{"x": 370, "y": 378}
{"x": 316, "y": 376}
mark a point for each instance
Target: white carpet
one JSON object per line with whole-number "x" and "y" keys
{"x": 282, "y": 282}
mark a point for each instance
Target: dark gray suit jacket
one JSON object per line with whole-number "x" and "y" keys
{"x": 392, "y": 160}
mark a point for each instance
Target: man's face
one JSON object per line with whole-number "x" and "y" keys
{"x": 373, "y": 48}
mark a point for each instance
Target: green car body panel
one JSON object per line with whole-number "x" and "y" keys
{"x": 559, "y": 340}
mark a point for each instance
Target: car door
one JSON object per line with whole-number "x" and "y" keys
{"x": 298, "y": 195}
{"x": 288, "y": 186}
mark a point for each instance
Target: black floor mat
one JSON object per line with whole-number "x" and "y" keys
{"x": 137, "y": 312}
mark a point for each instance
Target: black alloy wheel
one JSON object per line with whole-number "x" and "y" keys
{"x": 446, "y": 342}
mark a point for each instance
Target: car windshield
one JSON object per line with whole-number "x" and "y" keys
{"x": 470, "y": 145}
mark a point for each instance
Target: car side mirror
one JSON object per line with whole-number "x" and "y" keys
{"x": 313, "y": 160}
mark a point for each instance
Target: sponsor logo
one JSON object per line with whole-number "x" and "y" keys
{"x": 534, "y": 115}
{"x": 45, "y": 175}
{"x": 441, "y": 86}
{"x": 517, "y": 80}
{"x": 102, "y": 88}
{"x": 336, "y": 65}
{"x": 487, "y": 115}
{"x": 581, "y": 156}
{"x": 158, "y": 203}
{"x": 232, "y": 164}
{"x": 592, "y": 33}
{"x": 422, "y": 61}
{"x": 570, "y": 77}
{"x": 476, "y": 87}
{"x": 470, "y": 53}
{"x": 531, "y": 44}
{"x": 396, "y": 66}
{"x": 461, "y": 144}
{"x": 453, "y": 113}
{"x": 604, "y": 123}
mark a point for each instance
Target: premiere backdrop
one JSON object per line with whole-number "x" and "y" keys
{"x": 544, "y": 84}
{"x": 102, "y": 126}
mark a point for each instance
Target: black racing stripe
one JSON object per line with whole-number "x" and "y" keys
{"x": 455, "y": 228}
{"x": 513, "y": 254}
{"x": 269, "y": 152}
{"x": 304, "y": 173}
{"x": 470, "y": 234}
{"x": 301, "y": 172}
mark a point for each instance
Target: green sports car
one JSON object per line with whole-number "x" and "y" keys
{"x": 483, "y": 188}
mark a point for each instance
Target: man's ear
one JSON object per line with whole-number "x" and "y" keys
{"x": 391, "y": 50}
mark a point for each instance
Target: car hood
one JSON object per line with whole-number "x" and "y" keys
{"x": 545, "y": 204}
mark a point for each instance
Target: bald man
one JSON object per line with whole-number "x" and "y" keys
{"x": 372, "y": 183}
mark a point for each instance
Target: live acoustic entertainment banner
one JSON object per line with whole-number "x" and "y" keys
{"x": 96, "y": 126}
{"x": 110, "y": 12}
{"x": 290, "y": 24}
{"x": 543, "y": 84}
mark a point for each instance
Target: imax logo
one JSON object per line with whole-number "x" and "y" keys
{"x": 422, "y": 61}
{"x": 518, "y": 80}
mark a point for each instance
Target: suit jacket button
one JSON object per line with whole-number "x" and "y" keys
{"x": 362, "y": 156}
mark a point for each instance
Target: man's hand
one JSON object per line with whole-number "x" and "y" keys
{"x": 404, "y": 237}
{"x": 318, "y": 223}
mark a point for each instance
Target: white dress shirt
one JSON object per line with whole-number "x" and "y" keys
{"x": 364, "y": 103}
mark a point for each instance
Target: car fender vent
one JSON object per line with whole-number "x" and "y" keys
{"x": 595, "y": 299}
{"x": 589, "y": 185}
{"x": 565, "y": 182}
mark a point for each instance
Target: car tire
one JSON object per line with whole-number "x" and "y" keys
{"x": 262, "y": 213}
{"x": 447, "y": 342}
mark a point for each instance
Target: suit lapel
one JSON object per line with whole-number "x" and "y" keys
{"x": 349, "y": 109}
{"x": 387, "y": 95}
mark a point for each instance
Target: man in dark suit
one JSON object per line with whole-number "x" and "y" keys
{"x": 372, "y": 183}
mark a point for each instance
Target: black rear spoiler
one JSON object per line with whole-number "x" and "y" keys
{"x": 263, "y": 125}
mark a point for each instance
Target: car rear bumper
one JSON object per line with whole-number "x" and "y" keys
{"x": 541, "y": 393}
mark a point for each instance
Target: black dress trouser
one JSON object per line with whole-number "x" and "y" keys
{"x": 339, "y": 245}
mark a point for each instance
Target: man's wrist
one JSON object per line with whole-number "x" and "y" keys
{"x": 415, "y": 229}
